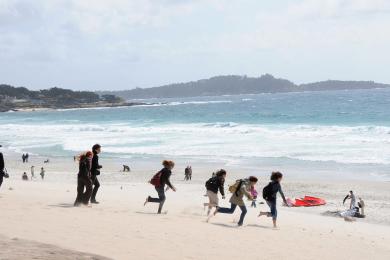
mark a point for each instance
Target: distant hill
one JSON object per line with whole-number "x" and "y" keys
{"x": 236, "y": 85}
{"x": 18, "y": 98}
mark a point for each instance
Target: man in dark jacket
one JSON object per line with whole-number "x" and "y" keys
{"x": 214, "y": 184}
{"x": 2, "y": 167}
{"x": 95, "y": 171}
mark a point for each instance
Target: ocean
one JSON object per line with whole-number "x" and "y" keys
{"x": 317, "y": 129}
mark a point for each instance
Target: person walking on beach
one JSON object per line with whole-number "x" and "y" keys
{"x": 26, "y": 158}
{"x": 95, "y": 171}
{"x": 159, "y": 181}
{"x": 2, "y": 168}
{"x": 84, "y": 179}
{"x": 23, "y": 158}
{"x": 42, "y": 173}
{"x": 32, "y": 172}
{"x": 269, "y": 194}
{"x": 239, "y": 190}
{"x": 212, "y": 186}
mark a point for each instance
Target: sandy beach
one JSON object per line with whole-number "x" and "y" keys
{"x": 122, "y": 228}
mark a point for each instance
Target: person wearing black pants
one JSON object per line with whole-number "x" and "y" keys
{"x": 165, "y": 174}
{"x": 95, "y": 171}
{"x": 84, "y": 180}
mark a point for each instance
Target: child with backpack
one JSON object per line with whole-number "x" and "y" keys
{"x": 239, "y": 190}
{"x": 269, "y": 194}
{"x": 214, "y": 184}
{"x": 159, "y": 181}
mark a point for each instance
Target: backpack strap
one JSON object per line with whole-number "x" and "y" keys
{"x": 239, "y": 187}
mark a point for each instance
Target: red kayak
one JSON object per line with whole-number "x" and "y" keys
{"x": 308, "y": 201}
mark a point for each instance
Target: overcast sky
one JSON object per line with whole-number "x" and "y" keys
{"x": 122, "y": 44}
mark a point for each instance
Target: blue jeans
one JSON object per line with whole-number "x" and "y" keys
{"x": 274, "y": 212}
{"x": 231, "y": 211}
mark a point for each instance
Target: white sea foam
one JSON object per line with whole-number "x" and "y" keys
{"x": 357, "y": 144}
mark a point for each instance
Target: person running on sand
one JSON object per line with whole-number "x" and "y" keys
{"x": 212, "y": 186}
{"x": 95, "y": 171}
{"x": 239, "y": 189}
{"x": 42, "y": 173}
{"x": 162, "y": 178}
{"x": 84, "y": 179}
{"x": 24, "y": 176}
{"x": 269, "y": 194}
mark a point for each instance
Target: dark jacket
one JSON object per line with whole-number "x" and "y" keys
{"x": 84, "y": 168}
{"x": 95, "y": 168}
{"x": 164, "y": 179}
{"x": 216, "y": 183}
{"x": 276, "y": 187}
{"x": 2, "y": 165}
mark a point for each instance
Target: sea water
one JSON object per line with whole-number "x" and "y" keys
{"x": 314, "y": 129}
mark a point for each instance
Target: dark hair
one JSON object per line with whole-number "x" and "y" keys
{"x": 220, "y": 172}
{"x": 95, "y": 147}
{"x": 253, "y": 179}
{"x": 276, "y": 175}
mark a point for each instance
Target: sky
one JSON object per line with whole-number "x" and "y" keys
{"x": 122, "y": 44}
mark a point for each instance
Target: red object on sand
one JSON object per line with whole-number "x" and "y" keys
{"x": 308, "y": 201}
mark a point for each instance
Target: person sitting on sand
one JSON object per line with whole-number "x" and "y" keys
{"x": 163, "y": 177}
{"x": 212, "y": 186}
{"x": 84, "y": 179}
{"x": 269, "y": 194}
{"x": 239, "y": 189}
{"x": 126, "y": 168}
{"x": 24, "y": 176}
{"x": 42, "y": 173}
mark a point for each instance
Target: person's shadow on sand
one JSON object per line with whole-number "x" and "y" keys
{"x": 259, "y": 226}
{"x": 224, "y": 225}
{"x": 63, "y": 205}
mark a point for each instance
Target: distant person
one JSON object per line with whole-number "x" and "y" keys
{"x": 254, "y": 194}
{"x": 126, "y": 168}
{"x": 32, "y": 172}
{"x": 212, "y": 186}
{"x": 84, "y": 179}
{"x": 187, "y": 173}
{"x": 190, "y": 172}
{"x": 352, "y": 197}
{"x": 27, "y": 156}
{"x": 74, "y": 158}
{"x": 159, "y": 181}
{"x": 95, "y": 171}
{"x": 2, "y": 168}
{"x": 23, "y": 158}
{"x": 24, "y": 176}
{"x": 239, "y": 190}
{"x": 42, "y": 173}
{"x": 46, "y": 161}
{"x": 269, "y": 194}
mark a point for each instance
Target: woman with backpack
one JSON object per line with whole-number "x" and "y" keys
{"x": 84, "y": 179}
{"x": 269, "y": 194}
{"x": 239, "y": 189}
{"x": 214, "y": 184}
{"x": 159, "y": 181}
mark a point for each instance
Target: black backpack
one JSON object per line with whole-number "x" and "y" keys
{"x": 212, "y": 183}
{"x": 267, "y": 191}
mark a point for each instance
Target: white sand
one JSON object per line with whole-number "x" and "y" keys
{"x": 121, "y": 228}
